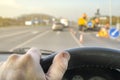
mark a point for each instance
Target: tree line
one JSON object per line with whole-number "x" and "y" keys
{"x": 20, "y": 20}
{"x": 115, "y": 20}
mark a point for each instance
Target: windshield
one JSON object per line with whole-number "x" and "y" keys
{"x": 84, "y": 23}
{"x": 79, "y": 38}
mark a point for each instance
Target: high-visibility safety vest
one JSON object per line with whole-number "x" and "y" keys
{"x": 82, "y": 21}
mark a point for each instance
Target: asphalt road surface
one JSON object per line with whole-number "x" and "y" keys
{"x": 45, "y": 38}
{"x": 40, "y": 37}
{"x": 91, "y": 40}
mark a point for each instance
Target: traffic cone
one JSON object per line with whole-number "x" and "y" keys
{"x": 70, "y": 29}
{"x": 74, "y": 33}
{"x": 81, "y": 38}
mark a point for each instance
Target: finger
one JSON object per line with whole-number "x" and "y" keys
{"x": 24, "y": 67}
{"x": 10, "y": 62}
{"x": 31, "y": 65}
{"x": 35, "y": 53}
{"x": 59, "y": 66}
{"x": 8, "y": 66}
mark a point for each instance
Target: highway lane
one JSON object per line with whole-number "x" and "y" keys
{"x": 91, "y": 40}
{"x": 15, "y": 36}
{"x": 45, "y": 38}
{"x": 11, "y": 31}
{"x": 41, "y": 37}
{"x": 54, "y": 41}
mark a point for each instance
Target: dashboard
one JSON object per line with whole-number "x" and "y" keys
{"x": 92, "y": 63}
{"x": 92, "y": 73}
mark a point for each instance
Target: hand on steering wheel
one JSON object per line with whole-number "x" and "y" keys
{"x": 27, "y": 67}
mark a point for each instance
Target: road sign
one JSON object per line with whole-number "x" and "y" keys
{"x": 90, "y": 25}
{"x": 114, "y": 33}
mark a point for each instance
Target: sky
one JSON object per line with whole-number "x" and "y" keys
{"x": 71, "y": 9}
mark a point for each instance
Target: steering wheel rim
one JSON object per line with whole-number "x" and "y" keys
{"x": 88, "y": 56}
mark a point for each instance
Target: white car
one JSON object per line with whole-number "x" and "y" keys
{"x": 65, "y": 22}
{"x": 57, "y": 26}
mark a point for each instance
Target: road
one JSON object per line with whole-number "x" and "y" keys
{"x": 41, "y": 37}
{"x": 90, "y": 39}
{"x": 45, "y": 38}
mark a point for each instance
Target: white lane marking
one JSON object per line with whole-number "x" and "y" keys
{"x": 30, "y": 40}
{"x": 14, "y": 34}
{"x": 77, "y": 41}
{"x": 34, "y": 32}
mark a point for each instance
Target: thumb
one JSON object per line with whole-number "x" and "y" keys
{"x": 59, "y": 66}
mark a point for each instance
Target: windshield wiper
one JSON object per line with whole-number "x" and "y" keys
{"x": 24, "y": 50}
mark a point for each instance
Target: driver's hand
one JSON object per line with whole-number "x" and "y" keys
{"x": 27, "y": 67}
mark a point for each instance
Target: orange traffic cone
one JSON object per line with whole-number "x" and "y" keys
{"x": 70, "y": 29}
{"x": 74, "y": 33}
{"x": 81, "y": 38}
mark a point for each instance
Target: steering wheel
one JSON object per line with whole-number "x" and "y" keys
{"x": 91, "y": 59}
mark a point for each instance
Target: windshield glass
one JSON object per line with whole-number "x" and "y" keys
{"x": 77, "y": 39}
{"x": 81, "y": 23}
